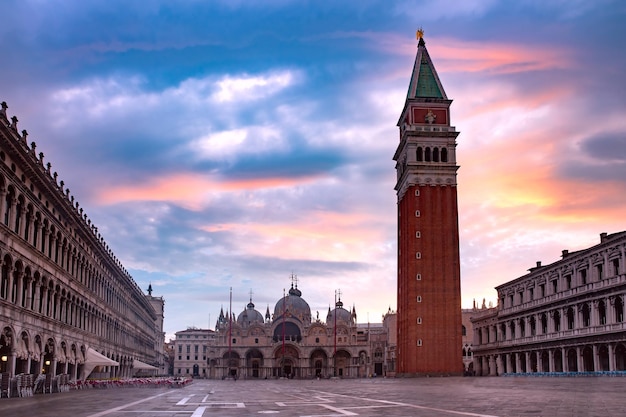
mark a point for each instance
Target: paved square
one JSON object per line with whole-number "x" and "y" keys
{"x": 432, "y": 397}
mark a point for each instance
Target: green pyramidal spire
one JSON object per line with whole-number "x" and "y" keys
{"x": 424, "y": 79}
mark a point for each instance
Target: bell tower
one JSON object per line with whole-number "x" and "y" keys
{"x": 429, "y": 278}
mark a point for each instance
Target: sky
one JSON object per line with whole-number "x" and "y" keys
{"x": 231, "y": 144}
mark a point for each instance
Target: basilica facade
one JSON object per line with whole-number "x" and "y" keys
{"x": 287, "y": 343}
{"x": 67, "y": 305}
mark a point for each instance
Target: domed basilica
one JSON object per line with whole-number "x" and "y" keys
{"x": 292, "y": 344}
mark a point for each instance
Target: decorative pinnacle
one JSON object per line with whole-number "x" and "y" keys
{"x": 419, "y": 34}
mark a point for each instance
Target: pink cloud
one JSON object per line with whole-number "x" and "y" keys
{"x": 458, "y": 55}
{"x": 319, "y": 235}
{"x": 455, "y": 55}
{"x": 189, "y": 189}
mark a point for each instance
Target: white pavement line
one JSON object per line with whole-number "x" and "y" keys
{"x": 419, "y": 407}
{"x": 184, "y": 400}
{"x": 442, "y": 410}
{"x": 206, "y": 397}
{"x": 339, "y": 410}
{"x": 121, "y": 407}
{"x": 198, "y": 412}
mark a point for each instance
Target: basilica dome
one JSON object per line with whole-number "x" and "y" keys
{"x": 294, "y": 305}
{"x": 341, "y": 313}
{"x": 249, "y": 316}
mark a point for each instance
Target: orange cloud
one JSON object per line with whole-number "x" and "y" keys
{"x": 516, "y": 179}
{"x": 320, "y": 235}
{"x": 457, "y": 55}
{"x": 189, "y": 189}
{"x": 496, "y": 99}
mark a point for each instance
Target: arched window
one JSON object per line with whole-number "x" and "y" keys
{"x": 444, "y": 155}
{"x": 18, "y": 214}
{"x": 8, "y": 204}
{"x": 570, "y": 318}
{"x": 463, "y": 331}
{"x": 27, "y": 222}
{"x": 544, "y": 323}
{"x": 602, "y": 312}
{"x": 557, "y": 321}
{"x": 619, "y": 310}
{"x": 420, "y": 153}
{"x": 435, "y": 154}
{"x": 427, "y": 155}
{"x": 586, "y": 315}
{"x": 4, "y": 280}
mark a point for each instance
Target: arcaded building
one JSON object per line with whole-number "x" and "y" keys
{"x": 429, "y": 281}
{"x": 67, "y": 305}
{"x": 288, "y": 342}
{"x": 567, "y": 316}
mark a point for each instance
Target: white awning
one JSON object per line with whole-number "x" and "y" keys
{"x": 137, "y": 364}
{"x": 95, "y": 358}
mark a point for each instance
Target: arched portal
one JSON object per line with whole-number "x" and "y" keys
{"x": 286, "y": 360}
{"x": 254, "y": 362}
{"x": 342, "y": 363}
{"x": 588, "y": 359}
{"x": 6, "y": 347}
{"x": 620, "y": 357}
{"x": 319, "y": 363}
{"x": 572, "y": 360}
{"x": 533, "y": 362}
{"x": 603, "y": 356}
{"x": 558, "y": 360}
{"x": 231, "y": 361}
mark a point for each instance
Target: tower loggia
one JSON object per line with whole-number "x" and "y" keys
{"x": 429, "y": 289}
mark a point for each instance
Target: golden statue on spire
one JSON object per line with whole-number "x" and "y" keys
{"x": 419, "y": 34}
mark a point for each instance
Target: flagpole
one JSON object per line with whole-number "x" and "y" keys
{"x": 335, "y": 337}
{"x": 282, "y": 366}
{"x": 230, "y": 328}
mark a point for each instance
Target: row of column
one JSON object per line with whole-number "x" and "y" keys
{"x": 22, "y": 291}
{"x": 606, "y": 310}
{"x": 522, "y": 362}
{"x": 46, "y": 301}
{"x": 69, "y": 262}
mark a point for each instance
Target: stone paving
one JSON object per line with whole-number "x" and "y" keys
{"x": 432, "y": 397}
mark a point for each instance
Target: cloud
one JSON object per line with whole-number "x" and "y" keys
{"x": 233, "y": 144}
{"x": 606, "y": 147}
{"x": 429, "y": 10}
{"x": 189, "y": 190}
{"x": 314, "y": 235}
{"x": 251, "y": 87}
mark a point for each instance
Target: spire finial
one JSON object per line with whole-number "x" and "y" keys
{"x": 419, "y": 34}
